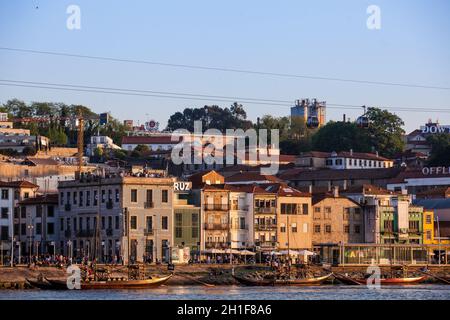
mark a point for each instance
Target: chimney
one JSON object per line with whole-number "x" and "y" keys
{"x": 351, "y": 152}
{"x": 344, "y": 187}
{"x": 329, "y": 186}
{"x": 336, "y": 191}
{"x": 376, "y": 154}
{"x": 310, "y": 189}
{"x": 343, "y": 119}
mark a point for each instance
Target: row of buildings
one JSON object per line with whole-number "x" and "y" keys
{"x": 143, "y": 217}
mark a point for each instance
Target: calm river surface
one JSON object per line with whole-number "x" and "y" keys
{"x": 420, "y": 292}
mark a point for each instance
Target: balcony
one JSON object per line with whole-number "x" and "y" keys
{"x": 267, "y": 244}
{"x": 216, "y": 207}
{"x": 239, "y": 208}
{"x": 217, "y": 226}
{"x": 148, "y": 205}
{"x": 264, "y": 210}
{"x": 67, "y": 207}
{"x": 148, "y": 232}
{"x": 239, "y": 227}
{"x": 109, "y": 232}
{"x": 109, "y": 204}
{"x": 265, "y": 227}
{"x": 216, "y": 245}
{"x": 85, "y": 233}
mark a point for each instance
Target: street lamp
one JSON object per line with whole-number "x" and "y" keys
{"x": 69, "y": 249}
{"x": 439, "y": 241}
{"x": 30, "y": 228}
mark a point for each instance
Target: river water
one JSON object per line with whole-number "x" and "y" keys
{"x": 417, "y": 292}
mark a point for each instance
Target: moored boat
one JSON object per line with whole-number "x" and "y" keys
{"x": 40, "y": 284}
{"x": 250, "y": 281}
{"x": 119, "y": 284}
{"x": 395, "y": 281}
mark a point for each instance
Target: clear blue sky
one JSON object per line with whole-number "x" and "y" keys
{"x": 322, "y": 38}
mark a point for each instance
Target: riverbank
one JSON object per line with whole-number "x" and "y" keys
{"x": 186, "y": 275}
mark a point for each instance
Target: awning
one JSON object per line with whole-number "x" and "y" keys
{"x": 246, "y": 253}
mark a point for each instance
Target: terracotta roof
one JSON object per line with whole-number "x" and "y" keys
{"x": 41, "y": 161}
{"x": 41, "y": 199}
{"x": 316, "y": 198}
{"x": 283, "y": 190}
{"x": 367, "y": 189}
{"x": 251, "y": 176}
{"x": 149, "y": 140}
{"x": 18, "y": 184}
{"x": 346, "y": 154}
{"x": 344, "y": 174}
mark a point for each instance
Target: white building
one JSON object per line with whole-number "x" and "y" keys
{"x": 102, "y": 142}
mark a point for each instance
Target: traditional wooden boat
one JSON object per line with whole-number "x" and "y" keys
{"x": 395, "y": 281}
{"x": 345, "y": 279}
{"x": 40, "y": 284}
{"x": 119, "y": 284}
{"x": 250, "y": 281}
{"x": 303, "y": 281}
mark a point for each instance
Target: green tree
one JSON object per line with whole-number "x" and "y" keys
{"x": 341, "y": 136}
{"x": 385, "y": 131}
{"x": 440, "y": 149}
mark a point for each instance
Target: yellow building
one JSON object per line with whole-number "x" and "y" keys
{"x": 429, "y": 232}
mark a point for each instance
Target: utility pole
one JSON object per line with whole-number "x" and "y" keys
{"x": 439, "y": 241}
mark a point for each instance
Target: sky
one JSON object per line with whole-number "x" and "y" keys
{"x": 317, "y": 38}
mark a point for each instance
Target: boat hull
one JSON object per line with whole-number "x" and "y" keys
{"x": 122, "y": 284}
{"x": 278, "y": 282}
{"x": 395, "y": 281}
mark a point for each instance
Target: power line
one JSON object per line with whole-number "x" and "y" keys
{"x": 222, "y": 69}
{"x": 188, "y": 96}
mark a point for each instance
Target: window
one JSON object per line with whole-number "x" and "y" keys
{"x": 414, "y": 225}
{"x": 328, "y": 228}
{"x": 61, "y": 198}
{"x": 26, "y": 195}
{"x": 117, "y": 222}
{"x": 5, "y": 194}
{"x": 165, "y": 196}
{"x": 357, "y": 229}
{"x": 178, "y": 219}
{"x": 288, "y": 208}
{"x": 164, "y": 223}
{"x": 5, "y": 233}
{"x": 74, "y": 197}
{"x": 88, "y": 198}
{"x": 38, "y": 228}
{"x": 109, "y": 222}
{"x": 80, "y": 198}
{"x": 294, "y": 227}
{"x": 149, "y": 223}
{"x": 149, "y": 195}
{"x": 194, "y": 232}
{"x": 38, "y": 211}
{"x": 428, "y": 234}
{"x": 428, "y": 218}
{"x": 283, "y": 228}
{"x": 388, "y": 225}
{"x": 109, "y": 195}
{"x": 50, "y": 228}
{"x": 347, "y": 229}
{"x": 178, "y": 232}
{"x": 4, "y": 213}
{"x": 23, "y": 212}
{"x": 133, "y": 222}
{"x": 103, "y": 223}
{"x": 133, "y": 195}
{"x": 103, "y": 196}
{"x": 117, "y": 195}
{"x": 305, "y": 209}
{"x": 50, "y": 211}
{"x": 317, "y": 209}
{"x": 317, "y": 228}
{"x": 95, "y": 198}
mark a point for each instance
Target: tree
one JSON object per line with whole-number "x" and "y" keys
{"x": 212, "y": 117}
{"x": 341, "y": 136}
{"x": 385, "y": 132}
{"x": 440, "y": 149}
